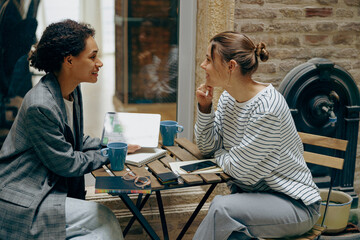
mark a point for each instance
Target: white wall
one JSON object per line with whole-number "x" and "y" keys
{"x": 98, "y": 13}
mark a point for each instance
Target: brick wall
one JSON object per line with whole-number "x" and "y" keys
{"x": 298, "y": 30}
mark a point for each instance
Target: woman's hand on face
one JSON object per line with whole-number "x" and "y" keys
{"x": 133, "y": 148}
{"x": 145, "y": 58}
{"x": 204, "y": 95}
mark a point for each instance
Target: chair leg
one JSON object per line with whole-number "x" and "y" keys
{"x": 332, "y": 179}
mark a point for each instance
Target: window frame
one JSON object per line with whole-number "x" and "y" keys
{"x": 186, "y": 79}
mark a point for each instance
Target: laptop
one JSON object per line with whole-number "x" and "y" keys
{"x": 133, "y": 128}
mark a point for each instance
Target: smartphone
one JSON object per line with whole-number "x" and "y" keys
{"x": 205, "y": 165}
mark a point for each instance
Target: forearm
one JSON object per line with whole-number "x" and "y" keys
{"x": 206, "y": 133}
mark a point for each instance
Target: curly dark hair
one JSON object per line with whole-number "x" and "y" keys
{"x": 59, "y": 40}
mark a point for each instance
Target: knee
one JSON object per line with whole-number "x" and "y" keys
{"x": 105, "y": 215}
{"x": 218, "y": 206}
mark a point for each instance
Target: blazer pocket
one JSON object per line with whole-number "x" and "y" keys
{"x": 22, "y": 198}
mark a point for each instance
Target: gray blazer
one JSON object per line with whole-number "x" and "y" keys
{"x": 42, "y": 162}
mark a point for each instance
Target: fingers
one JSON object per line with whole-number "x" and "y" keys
{"x": 204, "y": 95}
{"x": 133, "y": 148}
{"x": 145, "y": 57}
{"x": 205, "y": 91}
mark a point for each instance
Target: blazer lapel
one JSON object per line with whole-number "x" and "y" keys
{"x": 53, "y": 85}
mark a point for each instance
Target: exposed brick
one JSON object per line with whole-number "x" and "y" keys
{"x": 289, "y": 27}
{"x": 348, "y": 52}
{"x": 266, "y": 68}
{"x": 356, "y": 64}
{"x": 326, "y": 26}
{"x": 290, "y": 2}
{"x": 292, "y": 13}
{"x": 327, "y": 2}
{"x": 345, "y": 39}
{"x": 259, "y": 2}
{"x": 344, "y": 63}
{"x": 286, "y": 66}
{"x": 344, "y": 13}
{"x": 249, "y": 27}
{"x": 275, "y": 81}
{"x": 353, "y": 26}
{"x": 318, "y": 12}
{"x": 288, "y": 40}
{"x": 254, "y": 13}
{"x": 283, "y": 53}
{"x": 322, "y": 52}
{"x": 268, "y": 40}
{"x": 355, "y": 74}
{"x": 315, "y": 39}
{"x": 352, "y": 2}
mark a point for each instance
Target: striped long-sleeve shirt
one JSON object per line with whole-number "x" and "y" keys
{"x": 256, "y": 142}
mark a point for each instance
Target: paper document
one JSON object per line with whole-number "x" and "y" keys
{"x": 175, "y": 167}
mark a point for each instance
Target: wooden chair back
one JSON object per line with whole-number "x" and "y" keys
{"x": 324, "y": 160}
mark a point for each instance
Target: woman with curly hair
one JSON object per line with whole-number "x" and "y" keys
{"x": 253, "y": 138}
{"x": 45, "y": 155}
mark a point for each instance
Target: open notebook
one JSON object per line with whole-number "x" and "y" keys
{"x": 144, "y": 156}
{"x": 133, "y": 128}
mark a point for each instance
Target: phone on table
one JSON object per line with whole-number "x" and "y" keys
{"x": 204, "y": 165}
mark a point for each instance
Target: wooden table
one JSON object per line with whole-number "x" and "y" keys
{"x": 184, "y": 150}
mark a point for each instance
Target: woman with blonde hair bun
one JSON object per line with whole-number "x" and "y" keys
{"x": 253, "y": 138}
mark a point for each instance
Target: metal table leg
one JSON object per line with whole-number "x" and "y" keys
{"x": 162, "y": 215}
{"x": 197, "y": 210}
{"x": 139, "y": 206}
{"x": 135, "y": 211}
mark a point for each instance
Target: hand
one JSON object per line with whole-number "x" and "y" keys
{"x": 145, "y": 57}
{"x": 204, "y": 95}
{"x": 133, "y": 148}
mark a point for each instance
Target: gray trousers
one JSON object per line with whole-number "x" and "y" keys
{"x": 88, "y": 220}
{"x": 256, "y": 215}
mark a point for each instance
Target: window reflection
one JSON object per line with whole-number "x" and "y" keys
{"x": 151, "y": 30}
{"x": 155, "y": 78}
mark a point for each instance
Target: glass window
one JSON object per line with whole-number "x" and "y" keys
{"x": 147, "y": 55}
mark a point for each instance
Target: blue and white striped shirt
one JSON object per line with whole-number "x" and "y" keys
{"x": 256, "y": 142}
